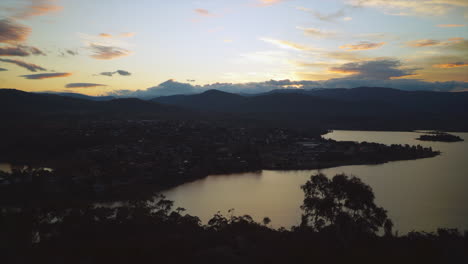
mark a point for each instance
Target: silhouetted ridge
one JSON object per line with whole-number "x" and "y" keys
{"x": 82, "y": 96}
{"x": 211, "y": 100}
{"x": 15, "y": 101}
{"x": 267, "y": 103}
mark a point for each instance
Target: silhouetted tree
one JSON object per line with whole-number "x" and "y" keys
{"x": 343, "y": 203}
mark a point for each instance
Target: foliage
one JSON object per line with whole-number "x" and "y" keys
{"x": 342, "y": 203}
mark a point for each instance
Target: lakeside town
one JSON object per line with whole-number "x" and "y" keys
{"x": 123, "y": 158}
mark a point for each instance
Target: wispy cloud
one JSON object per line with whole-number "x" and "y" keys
{"x": 432, "y": 42}
{"x": 315, "y": 32}
{"x": 411, "y": 7}
{"x": 364, "y": 45}
{"x": 105, "y": 35}
{"x": 127, "y": 34}
{"x": 71, "y": 52}
{"x": 26, "y": 65}
{"x": 83, "y": 85}
{"x": 450, "y": 25}
{"x": 12, "y": 32}
{"x": 424, "y": 43}
{"x": 121, "y": 35}
{"x": 42, "y": 76}
{"x": 269, "y": 2}
{"x": 331, "y": 17}
{"x": 345, "y": 56}
{"x": 203, "y": 12}
{"x": 310, "y": 64}
{"x": 286, "y": 44}
{"x": 20, "y": 50}
{"x": 13, "y": 51}
{"x": 36, "y": 8}
{"x": 450, "y": 65}
{"x": 102, "y": 52}
{"x": 119, "y": 72}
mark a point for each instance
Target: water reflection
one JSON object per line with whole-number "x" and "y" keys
{"x": 8, "y": 168}
{"x": 419, "y": 194}
{"x": 5, "y": 167}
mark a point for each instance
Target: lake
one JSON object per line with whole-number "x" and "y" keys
{"x": 420, "y": 195}
{"x": 5, "y": 167}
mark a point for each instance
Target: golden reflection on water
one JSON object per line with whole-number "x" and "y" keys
{"x": 5, "y": 167}
{"x": 419, "y": 194}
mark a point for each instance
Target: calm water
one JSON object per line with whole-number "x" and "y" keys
{"x": 5, "y": 167}
{"x": 419, "y": 194}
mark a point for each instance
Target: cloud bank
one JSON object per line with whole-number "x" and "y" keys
{"x": 173, "y": 88}
{"x": 374, "y": 70}
{"x": 373, "y": 73}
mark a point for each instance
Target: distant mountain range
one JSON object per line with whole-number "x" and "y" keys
{"x": 358, "y": 108}
{"x": 362, "y": 100}
{"x": 82, "y": 96}
{"x": 15, "y": 101}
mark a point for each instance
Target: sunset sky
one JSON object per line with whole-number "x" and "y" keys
{"x": 120, "y": 46}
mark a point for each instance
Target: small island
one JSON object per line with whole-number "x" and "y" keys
{"x": 440, "y": 136}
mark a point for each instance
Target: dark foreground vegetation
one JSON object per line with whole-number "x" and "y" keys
{"x": 440, "y": 136}
{"x": 340, "y": 224}
{"x": 126, "y": 149}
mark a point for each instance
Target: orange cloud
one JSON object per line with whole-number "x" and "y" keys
{"x": 450, "y": 25}
{"x": 409, "y": 76}
{"x": 432, "y": 42}
{"x": 121, "y": 35}
{"x": 362, "y": 46}
{"x": 286, "y": 44}
{"x": 342, "y": 71}
{"x": 450, "y": 65}
{"x": 269, "y": 2}
{"x": 12, "y": 32}
{"x": 315, "y": 32}
{"x": 105, "y": 35}
{"x": 42, "y": 76}
{"x": 37, "y": 8}
{"x": 127, "y": 34}
{"x": 456, "y": 40}
{"x": 424, "y": 43}
{"x": 203, "y": 12}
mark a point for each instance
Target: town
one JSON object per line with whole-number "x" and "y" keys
{"x": 121, "y": 159}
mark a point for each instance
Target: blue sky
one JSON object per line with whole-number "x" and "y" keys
{"x": 402, "y": 44}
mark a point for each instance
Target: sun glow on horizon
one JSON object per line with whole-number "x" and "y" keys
{"x": 134, "y": 46}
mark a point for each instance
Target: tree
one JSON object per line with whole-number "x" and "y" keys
{"x": 343, "y": 203}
